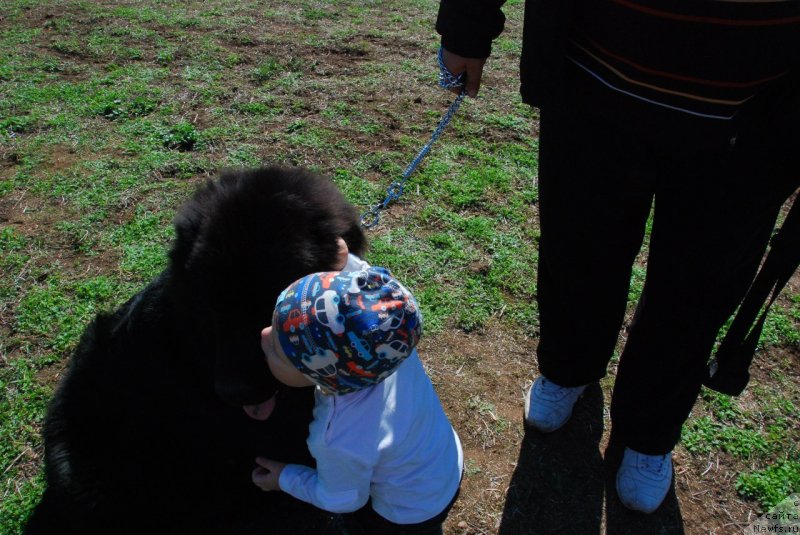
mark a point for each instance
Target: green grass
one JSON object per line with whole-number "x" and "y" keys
{"x": 760, "y": 436}
{"x": 111, "y": 114}
{"x": 771, "y": 485}
{"x": 703, "y": 436}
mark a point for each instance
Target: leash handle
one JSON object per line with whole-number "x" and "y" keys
{"x": 447, "y": 80}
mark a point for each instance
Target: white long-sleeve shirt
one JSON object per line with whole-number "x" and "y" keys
{"x": 391, "y": 442}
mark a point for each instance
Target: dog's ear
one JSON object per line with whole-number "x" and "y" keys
{"x": 342, "y": 218}
{"x": 355, "y": 239}
{"x": 188, "y": 223}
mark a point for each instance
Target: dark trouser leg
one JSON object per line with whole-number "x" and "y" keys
{"x": 366, "y": 521}
{"x": 713, "y": 219}
{"x": 593, "y": 210}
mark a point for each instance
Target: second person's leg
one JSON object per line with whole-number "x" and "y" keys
{"x": 594, "y": 206}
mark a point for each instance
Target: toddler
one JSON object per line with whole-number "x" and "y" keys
{"x": 386, "y": 454}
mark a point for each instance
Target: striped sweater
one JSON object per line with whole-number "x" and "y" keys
{"x": 706, "y": 58}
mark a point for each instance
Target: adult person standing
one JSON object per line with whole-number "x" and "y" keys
{"x": 690, "y": 107}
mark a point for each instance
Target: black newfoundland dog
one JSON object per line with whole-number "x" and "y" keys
{"x": 146, "y": 432}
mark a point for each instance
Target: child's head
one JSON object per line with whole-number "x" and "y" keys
{"x": 342, "y": 330}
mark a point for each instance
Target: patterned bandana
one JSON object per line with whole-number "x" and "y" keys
{"x": 347, "y": 330}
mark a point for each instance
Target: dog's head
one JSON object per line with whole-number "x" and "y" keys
{"x": 240, "y": 241}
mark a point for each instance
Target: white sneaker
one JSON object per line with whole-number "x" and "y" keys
{"x": 549, "y": 406}
{"x": 643, "y": 480}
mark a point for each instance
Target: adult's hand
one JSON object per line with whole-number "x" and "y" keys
{"x": 472, "y": 66}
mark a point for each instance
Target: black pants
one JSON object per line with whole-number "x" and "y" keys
{"x": 366, "y": 521}
{"x": 714, "y": 211}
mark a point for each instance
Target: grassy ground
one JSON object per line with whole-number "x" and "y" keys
{"x": 112, "y": 112}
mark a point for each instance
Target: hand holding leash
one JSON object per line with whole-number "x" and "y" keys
{"x": 447, "y": 80}
{"x": 466, "y": 72}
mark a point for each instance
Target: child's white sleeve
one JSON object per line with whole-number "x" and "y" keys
{"x": 338, "y": 485}
{"x": 355, "y": 263}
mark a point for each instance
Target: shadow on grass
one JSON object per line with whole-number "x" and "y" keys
{"x": 561, "y": 483}
{"x": 558, "y": 486}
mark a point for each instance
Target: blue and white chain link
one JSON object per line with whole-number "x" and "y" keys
{"x": 447, "y": 80}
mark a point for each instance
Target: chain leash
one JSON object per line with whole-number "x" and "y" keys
{"x": 447, "y": 80}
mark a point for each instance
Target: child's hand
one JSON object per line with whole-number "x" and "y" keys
{"x": 267, "y": 474}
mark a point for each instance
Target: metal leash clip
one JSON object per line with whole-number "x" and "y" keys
{"x": 447, "y": 80}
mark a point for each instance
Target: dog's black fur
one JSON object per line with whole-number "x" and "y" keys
{"x": 146, "y": 433}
